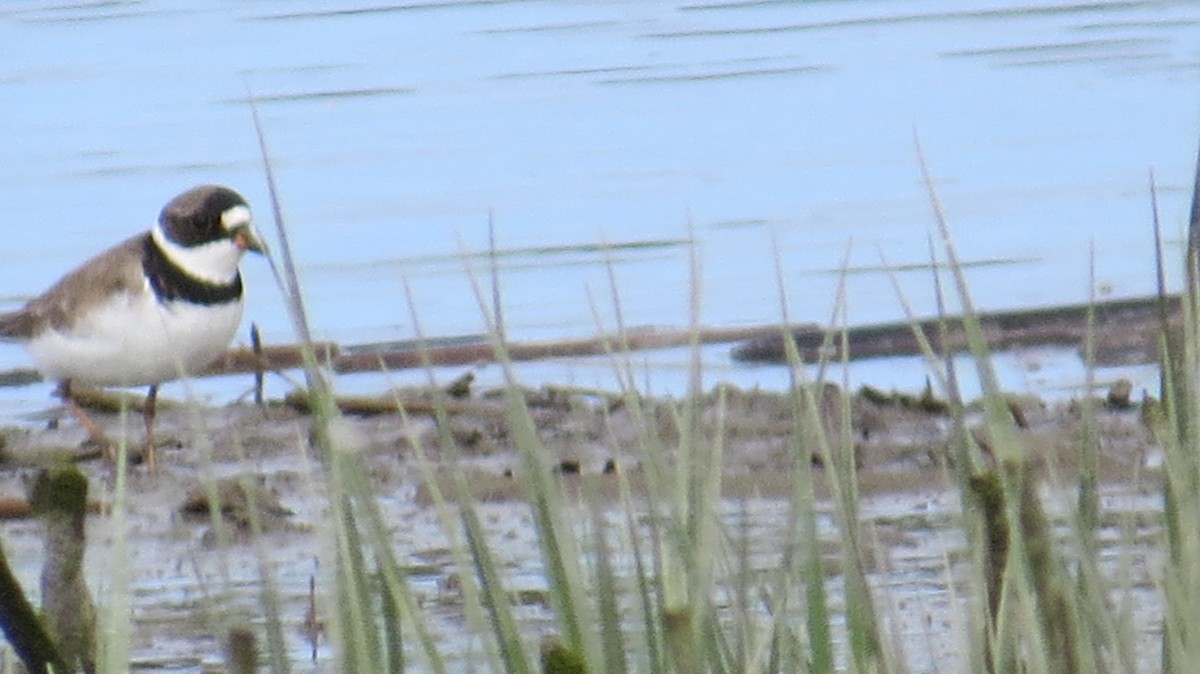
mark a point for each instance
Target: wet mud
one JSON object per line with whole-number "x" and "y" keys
{"x": 898, "y": 440}
{"x": 197, "y": 578}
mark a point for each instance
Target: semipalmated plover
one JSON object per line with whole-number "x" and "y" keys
{"x": 154, "y": 308}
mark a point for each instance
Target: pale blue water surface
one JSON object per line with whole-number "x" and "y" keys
{"x": 398, "y": 130}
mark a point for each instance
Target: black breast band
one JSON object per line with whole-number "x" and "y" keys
{"x": 172, "y": 283}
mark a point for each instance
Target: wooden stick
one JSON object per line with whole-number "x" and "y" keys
{"x": 1126, "y": 331}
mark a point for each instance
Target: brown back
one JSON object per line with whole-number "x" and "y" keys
{"x": 117, "y": 269}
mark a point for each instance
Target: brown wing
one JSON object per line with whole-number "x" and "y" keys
{"x": 118, "y": 269}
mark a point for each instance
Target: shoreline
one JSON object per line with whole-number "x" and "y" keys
{"x": 1124, "y": 332}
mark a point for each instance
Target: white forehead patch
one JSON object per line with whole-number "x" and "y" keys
{"x": 238, "y": 216}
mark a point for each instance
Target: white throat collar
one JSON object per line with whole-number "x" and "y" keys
{"x": 215, "y": 262}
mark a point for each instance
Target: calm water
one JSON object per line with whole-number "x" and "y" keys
{"x": 398, "y": 130}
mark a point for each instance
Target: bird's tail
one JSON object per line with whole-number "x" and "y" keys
{"x": 15, "y": 325}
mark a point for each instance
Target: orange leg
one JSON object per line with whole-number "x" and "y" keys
{"x": 95, "y": 435}
{"x": 99, "y": 438}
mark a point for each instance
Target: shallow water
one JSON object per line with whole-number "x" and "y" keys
{"x": 188, "y": 592}
{"x": 398, "y": 131}
{"x": 189, "y": 585}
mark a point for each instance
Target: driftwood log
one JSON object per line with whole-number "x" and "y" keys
{"x": 1125, "y": 331}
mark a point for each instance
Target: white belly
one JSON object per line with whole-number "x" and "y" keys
{"x": 135, "y": 341}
